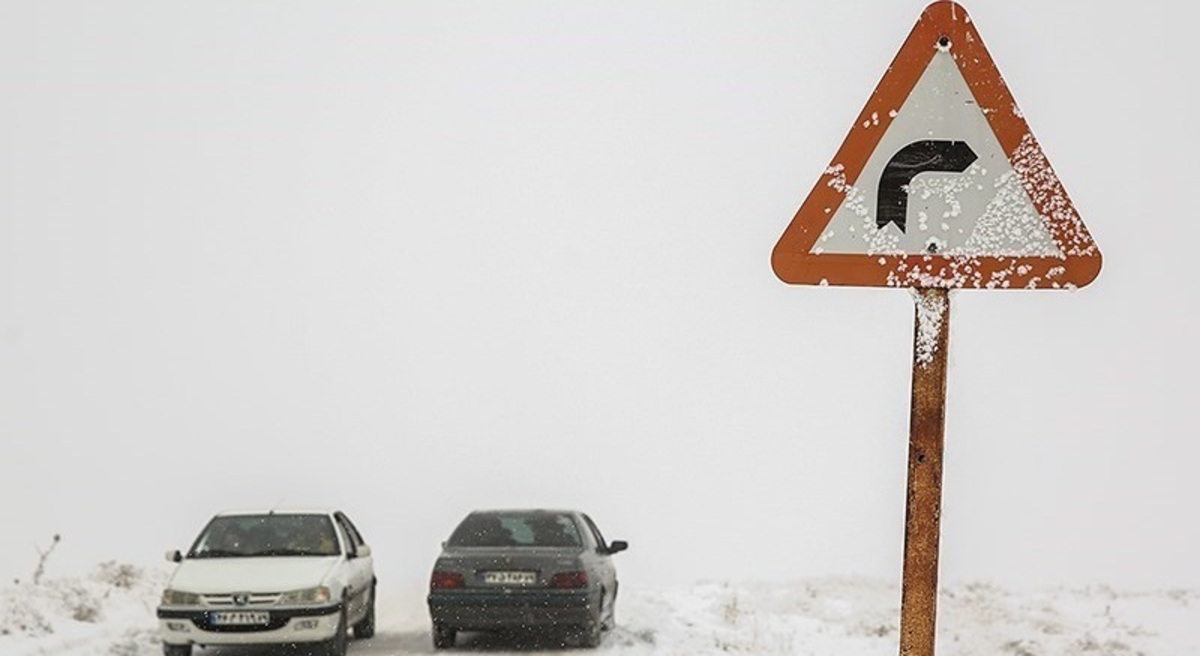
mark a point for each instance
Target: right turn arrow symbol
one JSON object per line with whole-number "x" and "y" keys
{"x": 917, "y": 157}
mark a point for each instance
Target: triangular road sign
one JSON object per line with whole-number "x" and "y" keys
{"x": 940, "y": 183}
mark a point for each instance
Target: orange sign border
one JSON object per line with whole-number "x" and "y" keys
{"x": 792, "y": 259}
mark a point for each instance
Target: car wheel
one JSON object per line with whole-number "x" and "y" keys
{"x": 177, "y": 650}
{"x": 336, "y": 646}
{"x": 443, "y": 636}
{"x": 365, "y": 628}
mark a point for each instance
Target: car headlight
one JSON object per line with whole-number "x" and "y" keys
{"x": 318, "y": 595}
{"x": 178, "y": 598}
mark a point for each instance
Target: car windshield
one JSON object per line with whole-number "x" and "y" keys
{"x": 231, "y": 536}
{"x": 500, "y": 529}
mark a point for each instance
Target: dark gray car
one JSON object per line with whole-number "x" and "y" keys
{"x": 522, "y": 569}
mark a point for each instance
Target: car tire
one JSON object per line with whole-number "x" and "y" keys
{"x": 444, "y": 636}
{"x": 336, "y": 646}
{"x": 365, "y": 628}
{"x": 176, "y": 650}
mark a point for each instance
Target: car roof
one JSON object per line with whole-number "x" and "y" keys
{"x": 277, "y": 511}
{"x": 525, "y": 511}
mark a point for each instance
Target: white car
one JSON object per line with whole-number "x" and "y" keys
{"x": 270, "y": 577}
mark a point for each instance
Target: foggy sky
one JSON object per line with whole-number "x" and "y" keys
{"x": 411, "y": 259}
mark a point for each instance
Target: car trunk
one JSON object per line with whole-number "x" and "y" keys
{"x": 500, "y": 567}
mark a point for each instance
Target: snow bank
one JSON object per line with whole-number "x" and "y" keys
{"x": 860, "y": 617}
{"x": 110, "y": 612}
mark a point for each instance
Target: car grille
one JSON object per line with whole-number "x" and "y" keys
{"x": 252, "y": 600}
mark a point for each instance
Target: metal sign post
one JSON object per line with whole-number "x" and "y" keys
{"x": 927, "y": 428}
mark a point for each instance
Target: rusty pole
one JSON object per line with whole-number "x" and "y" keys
{"x": 927, "y": 428}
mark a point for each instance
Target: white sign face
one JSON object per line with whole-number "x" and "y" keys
{"x": 971, "y": 203}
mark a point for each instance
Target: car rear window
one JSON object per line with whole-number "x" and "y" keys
{"x": 231, "y": 536}
{"x": 516, "y": 530}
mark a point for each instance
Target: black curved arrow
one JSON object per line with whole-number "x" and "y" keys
{"x": 916, "y": 157}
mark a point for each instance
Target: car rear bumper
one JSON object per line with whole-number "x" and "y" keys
{"x": 291, "y": 625}
{"x": 486, "y": 609}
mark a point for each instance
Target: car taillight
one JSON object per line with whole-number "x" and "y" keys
{"x": 569, "y": 580}
{"x": 446, "y": 580}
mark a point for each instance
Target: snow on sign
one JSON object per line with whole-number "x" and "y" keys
{"x": 940, "y": 183}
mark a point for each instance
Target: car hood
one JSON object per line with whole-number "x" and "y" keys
{"x": 266, "y": 574}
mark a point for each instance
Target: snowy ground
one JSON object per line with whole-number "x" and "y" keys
{"x": 111, "y": 613}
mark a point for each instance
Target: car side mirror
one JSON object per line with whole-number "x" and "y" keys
{"x": 363, "y": 551}
{"x": 173, "y": 556}
{"x": 617, "y": 545}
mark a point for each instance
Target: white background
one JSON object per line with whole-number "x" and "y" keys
{"x": 410, "y": 259}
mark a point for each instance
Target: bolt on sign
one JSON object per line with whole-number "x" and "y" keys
{"x": 940, "y": 185}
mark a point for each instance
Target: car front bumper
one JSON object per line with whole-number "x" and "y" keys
{"x": 476, "y": 610}
{"x": 181, "y": 626}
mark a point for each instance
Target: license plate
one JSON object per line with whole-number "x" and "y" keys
{"x": 239, "y": 617}
{"x": 509, "y": 578}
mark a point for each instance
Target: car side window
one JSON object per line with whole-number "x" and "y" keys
{"x": 351, "y": 546}
{"x": 600, "y": 543}
{"x": 352, "y": 530}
